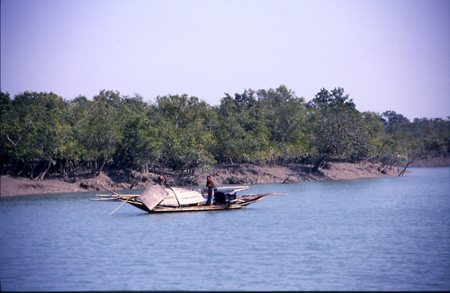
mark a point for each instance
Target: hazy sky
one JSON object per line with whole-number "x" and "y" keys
{"x": 386, "y": 54}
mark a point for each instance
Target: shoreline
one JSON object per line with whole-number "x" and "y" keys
{"x": 246, "y": 174}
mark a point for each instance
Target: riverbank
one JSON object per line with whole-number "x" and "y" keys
{"x": 222, "y": 175}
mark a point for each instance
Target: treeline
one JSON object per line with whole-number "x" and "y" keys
{"x": 43, "y": 133}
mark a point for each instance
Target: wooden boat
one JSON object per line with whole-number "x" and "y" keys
{"x": 158, "y": 199}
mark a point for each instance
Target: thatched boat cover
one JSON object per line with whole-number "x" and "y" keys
{"x": 182, "y": 197}
{"x": 153, "y": 195}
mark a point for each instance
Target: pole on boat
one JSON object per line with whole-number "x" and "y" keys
{"x": 119, "y": 206}
{"x": 236, "y": 188}
{"x": 112, "y": 191}
{"x": 176, "y": 197}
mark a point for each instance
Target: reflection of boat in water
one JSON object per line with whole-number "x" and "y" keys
{"x": 158, "y": 199}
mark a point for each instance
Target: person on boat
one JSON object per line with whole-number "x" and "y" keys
{"x": 161, "y": 180}
{"x": 210, "y": 185}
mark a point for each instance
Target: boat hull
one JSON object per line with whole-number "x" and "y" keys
{"x": 238, "y": 203}
{"x": 157, "y": 199}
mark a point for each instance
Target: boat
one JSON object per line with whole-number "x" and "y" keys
{"x": 159, "y": 199}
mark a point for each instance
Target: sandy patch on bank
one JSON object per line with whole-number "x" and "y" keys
{"x": 340, "y": 171}
{"x": 223, "y": 174}
{"x": 11, "y": 186}
{"x": 250, "y": 174}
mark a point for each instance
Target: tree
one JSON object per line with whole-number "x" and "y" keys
{"x": 37, "y": 129}
{"x": 187, "y": 136}
{"x": 433, "y": 136}
{"x": 242, "y": 134}
{"x": 8, "y": 144}
{"x": 140, "y": 144}
{"x": 285, "y": 116}
{"x": 391, "y": 120}
{"x": 337, "y": 129}
{"x": 375, "y": 132}
{"x": 104, "y": 128}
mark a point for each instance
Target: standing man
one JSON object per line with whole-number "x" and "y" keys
{"x": 161, "y": 180}
{"x": 210, "y": 185}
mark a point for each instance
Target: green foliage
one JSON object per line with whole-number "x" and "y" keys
{"x": 337, "y": 129}
{"x": 187, "y": 136}
{"x": 36, "y": 128}
{"x": 261, "y": 127}
{"x": 42, "y": 131}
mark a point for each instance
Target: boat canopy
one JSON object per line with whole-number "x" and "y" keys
{"x": 153, "y": 195}
{"x": 170, "y": 196}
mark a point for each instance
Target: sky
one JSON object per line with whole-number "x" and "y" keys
{"x": 386, "y": 54}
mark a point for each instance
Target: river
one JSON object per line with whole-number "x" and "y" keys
{"x": 363, "y": 234}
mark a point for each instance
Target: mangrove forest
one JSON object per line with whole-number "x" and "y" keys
{"x": 43, "y": 133}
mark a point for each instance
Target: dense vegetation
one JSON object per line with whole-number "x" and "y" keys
{"x": 43, "y": 133}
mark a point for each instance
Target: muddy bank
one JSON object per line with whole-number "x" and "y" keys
{"x": 432, "y": 162}
{"x": 222, "y": 175}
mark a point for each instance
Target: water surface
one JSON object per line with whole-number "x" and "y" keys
{"x": 365, "y": 234}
